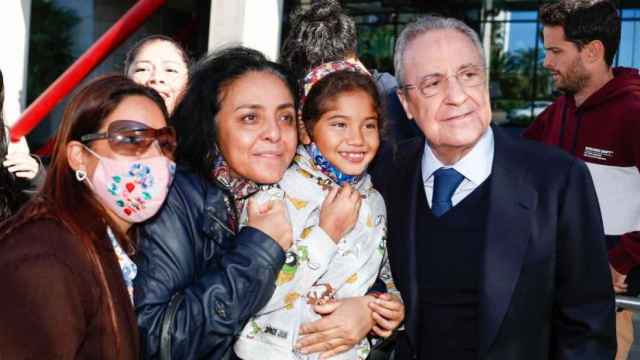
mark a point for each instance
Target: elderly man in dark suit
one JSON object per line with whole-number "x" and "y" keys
{"x": 496, "y": 243}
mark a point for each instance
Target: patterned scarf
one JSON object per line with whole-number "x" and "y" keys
{"x": 127, "y": 266}
{"x": 240, "y": 188}
{"x": 328, "y": 168}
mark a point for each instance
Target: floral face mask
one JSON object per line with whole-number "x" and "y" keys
{"x": 133, "y": 189}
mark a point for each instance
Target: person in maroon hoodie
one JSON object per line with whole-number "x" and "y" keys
{"x": 597, "y": 118}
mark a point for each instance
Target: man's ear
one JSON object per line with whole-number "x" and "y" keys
{"x": 402, "y": 95}
{"x": 594, "y": 51}
{"x": 303, "y": 134}
{"x": 76, "y": 156}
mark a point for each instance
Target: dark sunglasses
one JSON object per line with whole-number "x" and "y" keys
{"x": 132, "y": 138}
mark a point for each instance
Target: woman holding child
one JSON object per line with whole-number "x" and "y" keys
{"x": 200, "y": 277}
{"x": 212, "y": 257}
{"x": 338, "y": 218}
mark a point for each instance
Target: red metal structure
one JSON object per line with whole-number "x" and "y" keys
{"x": 111, "y": 39}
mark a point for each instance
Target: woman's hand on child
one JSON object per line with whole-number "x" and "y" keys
{"x": 339, "y": 211}
{"x": 343, "y": 324}
{"x": 388, "y": 313}
{"x": 271, "y": 218}
{"x": 22, "y": 165}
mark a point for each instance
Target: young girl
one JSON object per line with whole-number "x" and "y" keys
{"x": 338, "y": 218}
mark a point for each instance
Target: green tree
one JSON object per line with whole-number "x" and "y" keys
{"x": 529, "y": 63}
{"x": 511, "y": 82}
{"x": 50, "y": 45}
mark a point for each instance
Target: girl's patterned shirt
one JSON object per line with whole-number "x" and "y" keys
{"x": 316, "y": 269}
{"x": 127, "y": 266}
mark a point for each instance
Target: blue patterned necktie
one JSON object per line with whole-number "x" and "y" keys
{"x": 445, "y": 183}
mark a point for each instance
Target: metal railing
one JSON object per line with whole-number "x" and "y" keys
{"x": 628, "y": 302}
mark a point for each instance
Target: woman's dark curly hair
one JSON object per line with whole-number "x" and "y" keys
{"x": 194, "y": 118}
{"x": 320, "y": 34}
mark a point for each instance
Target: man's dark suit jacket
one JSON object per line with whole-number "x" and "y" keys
{"x": 545, "y": 289}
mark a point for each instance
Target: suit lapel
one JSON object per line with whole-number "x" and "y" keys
{"x": 402, "y": 247}
{"x": 507, "y": 235}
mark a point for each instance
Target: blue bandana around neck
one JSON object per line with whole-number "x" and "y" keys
{"x": 328, "y": 168}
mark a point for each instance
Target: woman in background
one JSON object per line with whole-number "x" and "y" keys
{"x": 161, "y": 63}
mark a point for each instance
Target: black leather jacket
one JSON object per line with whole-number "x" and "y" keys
{"x": 198, "y": 282}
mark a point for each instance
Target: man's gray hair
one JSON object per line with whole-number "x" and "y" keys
{"x": 423, "y": 25}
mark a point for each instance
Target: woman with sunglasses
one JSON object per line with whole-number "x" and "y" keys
{"x": 161, "y": 63}
{"x": 200, "y": 278}
{"x": 64, "y": 258}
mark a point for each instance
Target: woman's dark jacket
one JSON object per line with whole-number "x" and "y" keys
{"x": 52, "y": 304}
{"x": 198, "y": 283}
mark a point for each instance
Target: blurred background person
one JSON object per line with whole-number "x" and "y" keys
{"x": 596, "y": 120}
{"x": 161, "y": 63}
{"x": 324, "y": 32}
{"x": 65, "y": 255}
{"x": 21, "y": 174}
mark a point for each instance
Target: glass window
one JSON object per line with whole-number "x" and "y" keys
{"x": 519, "y": 84}
{"x": 524, "y": 15}
{"x": 629, "y": 52}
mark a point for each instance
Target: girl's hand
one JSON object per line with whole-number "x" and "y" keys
{"x": 339, "y": 211}
{"x": 388, "y": 313}
{"x": 271, "y": 218}
{"x": 22, "y": 165}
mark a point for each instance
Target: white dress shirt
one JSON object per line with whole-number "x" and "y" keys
{"x": 475, "y": 166}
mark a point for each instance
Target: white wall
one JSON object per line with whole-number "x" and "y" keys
{"x": 14, "y": 27}
{"x": 252, "y": 23}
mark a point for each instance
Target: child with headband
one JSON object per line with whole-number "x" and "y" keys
{"x": 338, "y": 218}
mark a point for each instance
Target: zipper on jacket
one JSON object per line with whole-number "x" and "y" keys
{"x": 220, "y": 222}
